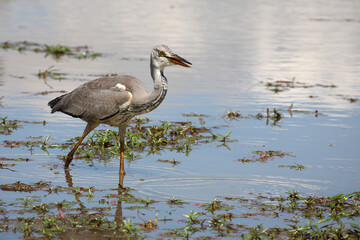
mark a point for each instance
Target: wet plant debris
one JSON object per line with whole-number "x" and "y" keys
{"x": 57, "y": 51}
{"x": 265, "y": 156}
{"x": 51, "y": 73}
{"x": 285, "y": 85}
{"x": 85, "y": 210}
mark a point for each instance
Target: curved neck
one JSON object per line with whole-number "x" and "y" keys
{"x": 160, "y": 87}
{"x": 152, "y": 100}
{"x": 158, "y": 77}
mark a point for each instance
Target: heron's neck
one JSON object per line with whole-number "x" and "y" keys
{"x": 160, "y": 86}
{"x": 160, "y": 81}
{"x": 156, "y": 96}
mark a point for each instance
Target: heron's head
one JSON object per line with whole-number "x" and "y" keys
{"x": 162, "y": 56}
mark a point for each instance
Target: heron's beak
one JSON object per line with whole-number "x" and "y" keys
{"x": 179, "y": 60}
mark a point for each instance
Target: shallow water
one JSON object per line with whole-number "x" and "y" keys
{"x": 236, "y": 47}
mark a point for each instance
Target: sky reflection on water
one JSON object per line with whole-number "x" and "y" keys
{"x": 236, "y": 47}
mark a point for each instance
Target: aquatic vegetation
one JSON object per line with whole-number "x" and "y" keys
{"x": 216, "y": 205}
{"x": 175, "y": 201}
{"x": 78, "y": 210}
{"x": 23, "y": 187}
{"x": 296, "y": 166}
{"x": 57, "y": 51}
{"x": 192, "y": 217}
{"x": 125, "y": 213}
{"x": 173, "y": 161}
{"x": 265, "y": 156}
{"x": 51, "y": 73}
{"x": 174, "y": 136}
{"x": 6, "y": 166}
{"x": 235, "y": 115}
{"x": 348, "y": 98}
{"x": 197, "y": 115}
{"x": 8, "y": 126}
{"x": 285, "y": 85}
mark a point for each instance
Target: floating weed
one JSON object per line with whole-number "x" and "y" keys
{"x": 275, "y": 116}
{"x": 174, "y": 136}
{"x": 129, "y": 227}
{"x": 348, "y": 98}
{"x": 224, "y": 139}
{"x": 296, "y": 166}
{"x": 51, "y": 73}
{"x": 289, "y": 83}
{"x": 231, "y": 115}
{"x": 45, "y": 144}
{"x": 22, "y": 187}
{"x": 216, "y": 205}
{"x": 146, "y": 201}
{"x": 353, "y": 100}
{"x": 265, "y": 156}
{"x": 27, "y": 202}
{"x": 175, "y": 201}
{"x": 57, "y": 51}
{"x": 198, "y": 115}
{"x": 272, "y": 116}
{"x": 173, "y": 161}
{"x": 150, "y": 225}
{"x": 192, "y": 217}
{"x": 236, "y": 115}
{"x": 178, "y": 233}
{"x": 7, "y": 166}
{"x": 35, "y": 142}
{"x": 43, "y": 220}
{"x": 8, "y": 126}
{"x": 299, "y": 217}
{"x": 15, "y": 159}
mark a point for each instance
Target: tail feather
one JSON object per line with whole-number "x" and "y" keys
{"x": 53, "y": 103}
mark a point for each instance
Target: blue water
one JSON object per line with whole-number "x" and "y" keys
{"x": 236, "y": 47}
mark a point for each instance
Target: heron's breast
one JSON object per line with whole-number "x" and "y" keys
{"x": 119, "y": 119}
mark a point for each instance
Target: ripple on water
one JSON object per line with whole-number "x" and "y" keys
{"x": 192, "y": 188}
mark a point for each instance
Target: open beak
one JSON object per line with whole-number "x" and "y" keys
{"x": 179, "y": 60}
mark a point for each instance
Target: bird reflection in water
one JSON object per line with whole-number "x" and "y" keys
{"x": 95, "y": 234}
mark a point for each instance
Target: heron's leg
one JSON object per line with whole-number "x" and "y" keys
{"x": 122, "y": 132}
{"x": 89, "y": 127}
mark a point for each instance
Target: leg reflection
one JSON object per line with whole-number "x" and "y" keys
{"x": 69, "y": 181}
{"x": 120, "y": 191}
{"x": 118, "y": 213}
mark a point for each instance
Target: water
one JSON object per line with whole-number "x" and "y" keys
{"x": 236, "y": 47}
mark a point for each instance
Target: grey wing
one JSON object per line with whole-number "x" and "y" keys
{"x": 96, "y": 101}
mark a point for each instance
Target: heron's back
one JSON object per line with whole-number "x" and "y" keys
{"x": 100, "y": 99}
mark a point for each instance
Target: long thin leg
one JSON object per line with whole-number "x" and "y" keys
{"x": 122, "y": 132}
{"x": 89, "y": 127}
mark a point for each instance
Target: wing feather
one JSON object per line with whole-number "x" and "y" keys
{"x": 100, "y": 99}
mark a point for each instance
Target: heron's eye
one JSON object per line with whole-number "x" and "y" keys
{"x": 161, "y": 53}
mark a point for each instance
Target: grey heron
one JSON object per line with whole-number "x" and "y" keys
{"x": 114, "y": 100}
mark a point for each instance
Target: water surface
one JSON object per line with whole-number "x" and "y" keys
{"x": 236, "y": 48}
